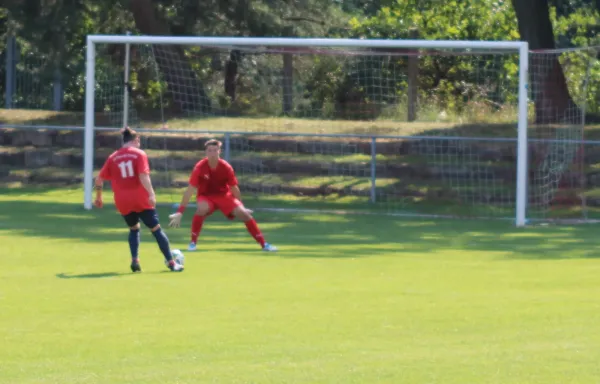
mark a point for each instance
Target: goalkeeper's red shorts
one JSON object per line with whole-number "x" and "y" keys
{"x": 225, "y": 203}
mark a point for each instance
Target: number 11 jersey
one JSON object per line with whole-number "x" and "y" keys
{"x": 123, "y": 168}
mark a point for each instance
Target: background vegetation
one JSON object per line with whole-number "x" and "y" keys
{"x": 51, "y": 40}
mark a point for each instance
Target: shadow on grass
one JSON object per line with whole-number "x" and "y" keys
{"x": 103, "y": 275}
{"x": 311, "y": 235}
{"x": 100, "y": 275}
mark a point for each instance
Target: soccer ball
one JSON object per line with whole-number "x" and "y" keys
{"x": 178, "y": 256}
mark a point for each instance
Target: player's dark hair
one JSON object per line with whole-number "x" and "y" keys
{"x": 128, "y": 134}
{"x": 212, "y": 142}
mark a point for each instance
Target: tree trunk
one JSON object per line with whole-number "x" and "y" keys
{"x": 231, "y": 73}
{"x": 186, "y": 90}
{"x": 553, "y": 103}
{"x": 287, "y": 74}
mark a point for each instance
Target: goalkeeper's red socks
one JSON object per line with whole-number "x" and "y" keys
{"x": 197, "y": 222}
{"x": 252, "y": 228}
{"x": 251, "y": 225}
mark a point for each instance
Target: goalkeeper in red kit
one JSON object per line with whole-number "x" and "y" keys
{"x": 215, "y": 185}
{"x": 129, "y": 173}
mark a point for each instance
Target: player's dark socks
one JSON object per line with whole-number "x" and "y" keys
{"x": 163, "y": 243}
{"x": 197, "y": 222}
{"x": 252, "y": 228}
{"x": 134, "y": 242}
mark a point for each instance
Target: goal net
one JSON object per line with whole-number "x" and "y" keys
{"x": 396, "y": 127}
{"x": 562, "y": 87}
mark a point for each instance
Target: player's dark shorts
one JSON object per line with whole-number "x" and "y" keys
{"x": 149, "y": 217}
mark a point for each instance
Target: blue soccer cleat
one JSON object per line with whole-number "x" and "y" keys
{"x": 192, "y": 247}
{"x": 269, "y": 248}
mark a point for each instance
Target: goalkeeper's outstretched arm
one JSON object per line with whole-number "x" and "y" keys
{"x": 176, "y": 217}
{"x": 187, "y": 195}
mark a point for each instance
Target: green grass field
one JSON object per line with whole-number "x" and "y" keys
{"x": 348, "y": 299}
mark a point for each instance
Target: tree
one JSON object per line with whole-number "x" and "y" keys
{"x": 3, "y": 37}
{"x": 54, "y": 34}
{"x": 553, "y": 102}
{"x": 236, "y": 18}
{"x": 174, "y": 66}
{"x": 448, "y": 82}
{"x": 551, "y": 95}
{"x": 56, "y": 30}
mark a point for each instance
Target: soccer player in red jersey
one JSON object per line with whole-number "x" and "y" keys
{"x": 216, "y": 187}
{"x": 129, "y": 173}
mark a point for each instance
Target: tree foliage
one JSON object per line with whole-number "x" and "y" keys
{"x": 448, "y": 78}
{"x": 449, "y": 81}
{"x": 55, "y": 31}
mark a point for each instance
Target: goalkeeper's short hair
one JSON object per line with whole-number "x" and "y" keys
{"x": 212, "y": 142}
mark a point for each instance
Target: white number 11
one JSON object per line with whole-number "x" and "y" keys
{"x": 126, "y": 168}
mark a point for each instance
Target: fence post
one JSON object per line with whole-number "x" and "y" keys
{"x": 227, "y": 146}
{"x": 57, "y": 94}
{"x": 288, "y": 74}
{"x": 413, "y": 79}
{"x": 11, "y": 63}
{"x": 373, "y": 168}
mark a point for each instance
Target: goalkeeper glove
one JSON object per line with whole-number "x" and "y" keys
{"x": 175, "y": 220}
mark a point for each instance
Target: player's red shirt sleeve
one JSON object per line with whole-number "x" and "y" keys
{"x": 105, "y": 171}
{"x": 231, "y": 179}
{"x": 142, "y": 164}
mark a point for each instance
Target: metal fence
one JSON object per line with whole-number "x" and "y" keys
{"x": 29, "y": 81}
{"x": 406, "y": 175}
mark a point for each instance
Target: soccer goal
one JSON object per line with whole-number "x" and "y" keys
{"x": 404, "y": 127}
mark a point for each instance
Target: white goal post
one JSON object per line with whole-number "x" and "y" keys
{"x": 516, "y": 47}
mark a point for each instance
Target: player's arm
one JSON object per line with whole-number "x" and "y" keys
{"x": 233, "y": 184}
{"x": 143, "y": 168}
{"x": 99, "y": 183}
{"x": 235, "y": 188}
{"x": 147, "y": 183}
{"x": 235, "y": 191}
{"x": 185, "y": 199}
{"x": 175, "y": 218}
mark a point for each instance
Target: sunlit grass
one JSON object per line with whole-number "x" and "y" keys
{"x": 348, "y": 299}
